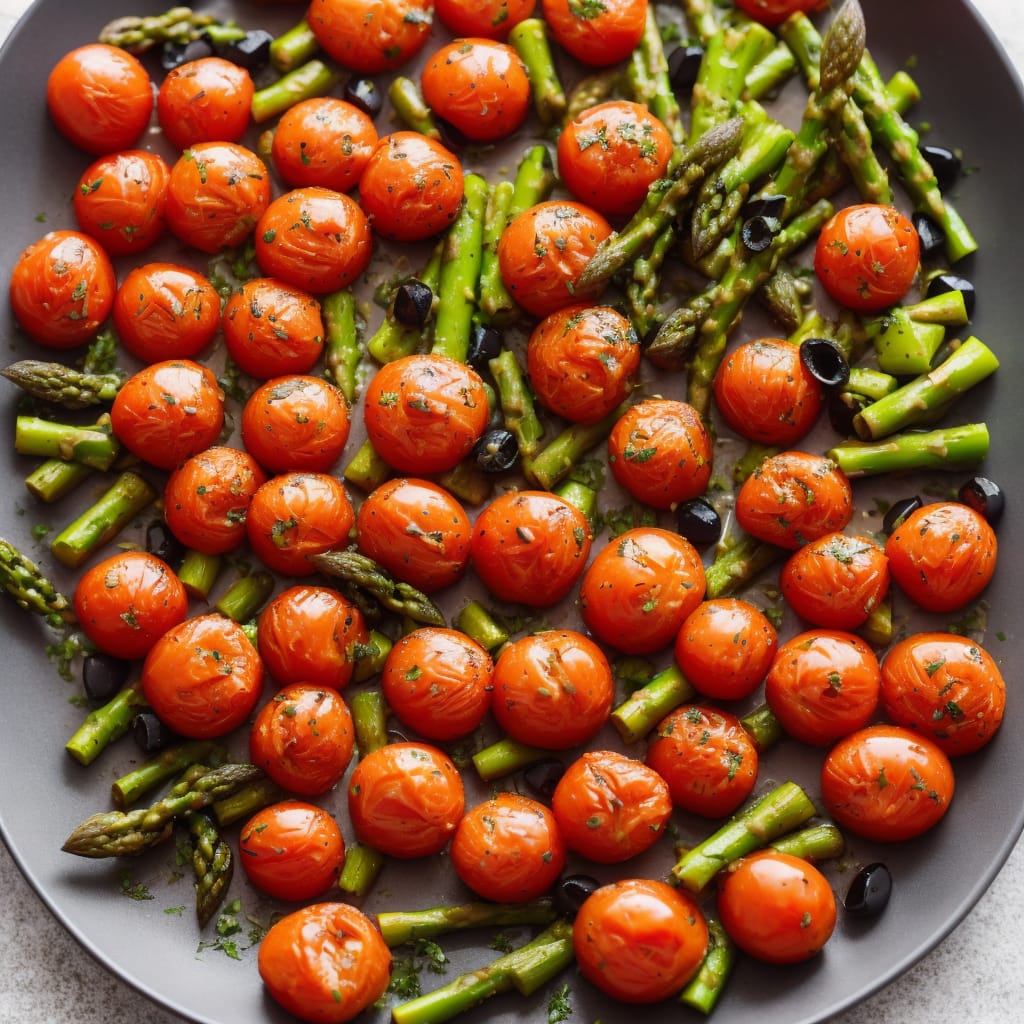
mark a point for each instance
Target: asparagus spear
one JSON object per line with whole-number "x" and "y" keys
{"x": 31, "y": 588}
{"x": 342, "y": 351}
{"x": 401, "y": 926}
{"x": 314, "y": 78}
{"x": 641, "y": 711}
{"x": 212, "y": 864}
{"x": 52, "y": 479}
{"x": 246, "y": 596}
{"x": 92, "y": 446}
{"x": 137, "y": 34}
{"x": 105, "y": 724}
{"x": 167, "y": 764}
{"x": 393, "y": 340}
{"x": 948, "y": 448}
{"x": 816, "y": 842}
{"x": 411, "y": 107}
{"x": 738, "y": 565}
{"x": 497, "y": 307}
{"x": 516, "y": 400}
{"x": 763, "y": 727}
{"x": 294, "y": 47}
{"x": 63, "y": 385}
{"x": 555, "y": 461}
{"x": 530, "y": 39}
{"x": 505, "y": 756}
{"x": 648, "y": 77}
{"x": 702, "y": 992}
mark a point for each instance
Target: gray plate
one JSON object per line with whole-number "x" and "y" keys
{"x": 973, "y": 100}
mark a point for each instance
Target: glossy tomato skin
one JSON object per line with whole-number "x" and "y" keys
{"x": 508, "y": 848}
{"x": 776, "y": 907}
{"x": 596, "y": 34}
{"x": 406, "y": 799}
{"x": 205, "y": 100}
{"x": 639, "y": 940}
{"x": 325, "y": 963}
{"x": 610, "y": 807}
{"x": 640, "y": 588}
{"x": 867, "y": 256}
{"x": 774, "y": 12}
{"x": 492, "y": 19}
{"x": 371, "y": 36}
{"x": 886, "y": 783}
{"x": 203, "y": 677}
{"x": 62, "y": 289}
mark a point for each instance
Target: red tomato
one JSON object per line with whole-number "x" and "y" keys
{"x": 205, "y": 100}
{"x": 639, "y": 940}
{"x": 370, "y": 36}
{"x": 552, "y": 689}
{"x": 62, "y": 288}
{"x": 776, "y": 907}
{"x": 493, "y": 19}
{"x": 203, "y": 677}
{"x": 774, "y": 12}
{"x": 100, "y": 98}
{"x": 640, "y": 588}
{"x": 325, "y": 963}
{"x": 406, "y": 799}
{"x": 886, "y": 783}
{"x": 292, "y": 850}
{"x": 508, "y": 849}
{"x": 596, "y": 32}
{"x": 867, "y": 256}
{"x": 610, "y": 807}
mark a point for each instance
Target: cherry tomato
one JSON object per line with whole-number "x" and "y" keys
{"x": 325, "y": 963}
{"x": 943, "y": 555}
{"x": 120, "y": 198}
{"x": 272, "y": 329}
{"x": 725, "y": 647}
{"x": 596, "y": 32}
{"x": 406, "y": 799}
{"x": 168, "y": 411}
{"x": 411, "y": 187}
{"x": 508, "y": 848}
{"x": 166, "y": 311}
{"x": 323, "y": 141}
{"x": 611, "y": 153}
{"x": 62, "y": 288}
{"x": 530, "y": 547}
{"x": 125, "y": 603}
{"x": 639, "y": 940}
{"x": 544, "y": 250}
{"x": 823, "y": 685}
{"x": 100, "y": 98}
{"x": 207, "y": 497}
{"x": 311, "y": 635}
{"x": 303, "y": 739}
{"x": 423, "y": 413}
{"x": 886, "y": 783}
{"x": 315, "y": 239}
{"x": 661, "y": 452}
{"x": 610, "y": 807}
{"x": 777, "y": 907}
{"x": 205, "y": 100}
{"x": 774, "y": 12}
{"x": 947, "y": 688}
{"x": 492, "y": 19}
{"x": 294, "y": 516}
{"x": 793, "y": 498}
{"x": 867, "y": 256}
{"x": 291, "y": 850}
{"x": 370, "y": 36}
{"x": 416, "y": 531}
{"x": 640, "y": 588}
{"x": 582, "y": 361}
{"x": 203, "y": 677}
{"x": 216, "y": 194}
{"x": 707, "y": 759}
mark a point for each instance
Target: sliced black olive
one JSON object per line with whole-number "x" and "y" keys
{"x": 757, "y": 232}
{"x": 175, "y": 54}
{"x": 771, "y": 207}
{"x": 571, "y": 892}
{"x": 496, "y": 451}
{"x": 869, "y": 891}
{"x": 698, "y": 522}
{"x": 825, "y": 361}
{"x": 944, "y": 163}
{"x": 162, "y": 543}
{"x": 364, "y": 94}
{"x": 412, "y": 303}
{"x": 543, "y": 776}
{"x": 683, "y": 66}
{"x": 150, "y": 734}
{"x": 251, "y": 52}
{"x": 103, "y": 675}
{"x": 898, "y": 513}
{"x": 942, "y": 283}
{"x": 842, "y": 406}
{"x": 985, "y": 497}
{"x": 930, "y": 235}
{"x": 485, "y": 344}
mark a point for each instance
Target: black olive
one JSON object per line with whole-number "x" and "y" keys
{"x": 945, "y": 164}
{"x": 542, "y": 776}
{"x": 175, "y": 54}
{"x": 451, "y": 137}
{"x": 571, "y": 892}
{"x": 485, "y": 344}
{"x": 771, "y": 207}
{"x": 496, "y": 451}
{"x": 683, "y": 66}
{"x": 103, "y": 675}
{"x": 364, "y": 94}
{"x": 869, "y": 891}
{"x": 931, "y": 236}
{"x": 985, "y": 497}
{"x": 162, "y": 543}
{"x": 842, "y": 406}
{"x": 251, "y": 52}
{"x": 898, "y": 513}
{"x": 825, "y": 361}
{"x": 412, "y": 303}
{"x": 757, "y": 232}
{"x": 942, "y": 283}
{"x": 698, "y": 522}
{"x": 150, "y": 734}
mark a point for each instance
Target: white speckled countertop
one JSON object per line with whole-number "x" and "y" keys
{"x": 973, "y": 977}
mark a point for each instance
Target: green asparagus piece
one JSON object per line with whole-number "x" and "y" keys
{"x": 554, "y": 461}
{"x": 814, "y": 843}
{"x": 369, "y": 720}
{"x": 105, "y": 724}
{"x": 212, "y": 863}
{"x": 763, "y": 727}
{"x": 342, "y": 351}
{"x": 530, "y": 39}
{"x": 645, "y": 281}
{"x": 52, "y": 479}
{"x": 870, "y": 383}
{"x": 580, "y": 496}
{"x": 362, "y": 866}
{"x": 948, "y": 448}
{"x": 139, "y": 34}
{"x": 370, "y": 658}
{"x": 31, "y": 588}
{"x": 648, "y": 76}
{"x": 393, "y": 340}
{"x": 244, "y": 802}
{"x": 367, "y": 469}
{"x": 908, "y": 337}
{"x": 293, "y": 48}
{"x": 739, "y": 565}
{"x": 707, "y": 985}
{"x": 401, "y": 926}
{"x": 246, "y": 596}
{"x": 590, "y": 90}
{"x": 63, "y": 385}
{"x": 198, "y": 573}
{"x": 505, "y": 757}
{"x": 516, "y": 401}
{"x": 769, "y": 73}
{"x": 480, "y": 625}
{"x": 534, "y": 180}
{"x": 92, "y": 446}
{"x": 497, "y": 307}
{"x": 411, "y": 107}
{"x": 645, "y": 707}
{"x": 169, "y": 763}
{"x": 314, "y": 78}
{"x": 467, "y": 482}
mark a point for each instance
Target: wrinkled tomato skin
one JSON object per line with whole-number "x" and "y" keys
{"x": 325, "y": 963}
{"x": 774, "y": 12}
{"x": 371, "y": 36}
{"x": 598, "y": 34}
{"x": 639, "y": 940}
{"x": 492, "y": 19}
{"x": 205, "y": 100}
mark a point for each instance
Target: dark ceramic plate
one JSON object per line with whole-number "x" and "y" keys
{"x": 972, "y": 100}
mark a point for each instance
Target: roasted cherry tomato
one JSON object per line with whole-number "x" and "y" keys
{"x": 62, "y": 289}
{"x": 325, "y": 963}
{"x": 823, "y": 685}
{"x": 610, "y": 807}
{"x": 492, "y": 19}
{"x": 370, "y": 36}
{"x": 205, "y": 100}
{"x": 707, "y": 759}
{"x": 100, "y": 98}
{"x": 552, "y": 689}
{"x": 294, "y": 516}
{"x": 947, "y": 688}
{"x": 725, "y": 647}
{"x": 544, "y": 250}
{"x": 203, "y": 677}
{"x": 661, "y": 452}
{"x": 311, "y": 635}
{"x": 867, "y": 256}
{"x": 596, "y": 33}
{"x": 886, "y": 783}
{"x": 582, "y": 361}
{"x": 639, "y": 940}
{"x": 640, "y": 588}
{"x": 423, "y": 413}
{"x": 303, "y": 738}
{"x": 943, "y": 555}
{"x": 406, "y": 799}
{"x": 774, "y": 12}
{"x": 508, "y": 849}
{"x": 292, "y": 850}
{"x": 125, "y": 603}
{"x": 611, "y": 153}
{"x": 168, "y": 411}
{"x": 776, "y": 907}
{"x": 793, "y": 498}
